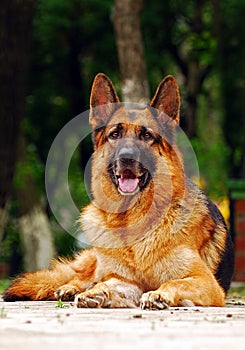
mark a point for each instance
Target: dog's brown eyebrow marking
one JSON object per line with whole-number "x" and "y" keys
{"x": 118, "y": 126}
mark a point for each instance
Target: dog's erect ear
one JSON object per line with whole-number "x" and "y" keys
{"x": 102, "y": 99}
{"x": 167, "y": 98}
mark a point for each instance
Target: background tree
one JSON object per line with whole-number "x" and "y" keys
{"x": 16, "y": 29}
{"x": 230, "y": 34}
{"x": 126, "y": 20}
{"x": 32, "y": 221}
{"x": 180, "y": 39}
{"x": 15, "y": 34}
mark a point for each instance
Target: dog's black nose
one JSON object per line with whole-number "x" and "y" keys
{"x": 126, "y": 154}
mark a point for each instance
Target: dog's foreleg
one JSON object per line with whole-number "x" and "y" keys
{"x": 201, "y": 290}
{"x": 113, "y": 293}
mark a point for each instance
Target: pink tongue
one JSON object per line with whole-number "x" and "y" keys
{"x": 128, "y": 185}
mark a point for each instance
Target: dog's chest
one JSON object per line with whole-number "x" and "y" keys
{"x": 148, "y": 269}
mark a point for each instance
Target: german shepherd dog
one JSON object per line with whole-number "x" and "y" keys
{"x": 157, "y": 240}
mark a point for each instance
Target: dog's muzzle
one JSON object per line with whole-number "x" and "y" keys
{"x": 128, "y": 173}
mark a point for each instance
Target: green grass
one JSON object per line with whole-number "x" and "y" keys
{"x": 4, "y": 283}
{"x": 237, "y": 292}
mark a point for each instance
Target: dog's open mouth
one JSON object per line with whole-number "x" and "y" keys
{"x": 129, "y": 183}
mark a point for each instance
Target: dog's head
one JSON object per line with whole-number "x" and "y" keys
{"x": 133, "y": 136}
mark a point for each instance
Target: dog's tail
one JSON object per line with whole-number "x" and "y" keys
{"x": 42, "y": 284}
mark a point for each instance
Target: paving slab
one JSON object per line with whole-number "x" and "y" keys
{"x": 44, "y": 325}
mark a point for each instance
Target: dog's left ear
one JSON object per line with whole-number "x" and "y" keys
{"x": 102, "y": 100}
{"x": 167, "y": 98}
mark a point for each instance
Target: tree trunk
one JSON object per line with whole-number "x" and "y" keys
{"x": 15, "y": 35}
{"x": 35, "y": 234}
{"x": 3, "y": 219}
{"x": 36, "y": 239}
{"x": 126, "y": 22}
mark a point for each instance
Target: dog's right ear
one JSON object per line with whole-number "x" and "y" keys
{"x": 167, "y": 98}
{"x": 102, "y": 100}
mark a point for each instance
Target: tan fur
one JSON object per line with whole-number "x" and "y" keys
{"x": 138, "y": 258}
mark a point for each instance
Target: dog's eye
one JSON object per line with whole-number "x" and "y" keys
{"x": 146, "y": 135}
{"x": 114, "y": 135}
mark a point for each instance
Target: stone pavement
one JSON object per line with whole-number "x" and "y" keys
{"x": 43, "y": 325}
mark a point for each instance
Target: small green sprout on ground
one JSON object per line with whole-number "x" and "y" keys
{"x": 61, "y": 305}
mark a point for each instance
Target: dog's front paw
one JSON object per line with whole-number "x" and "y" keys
{"x": 67, "y": 292}
{"x": 156, "y": 300}
{"x": 96, "y": 297}
{"x": 89, "y": 301}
